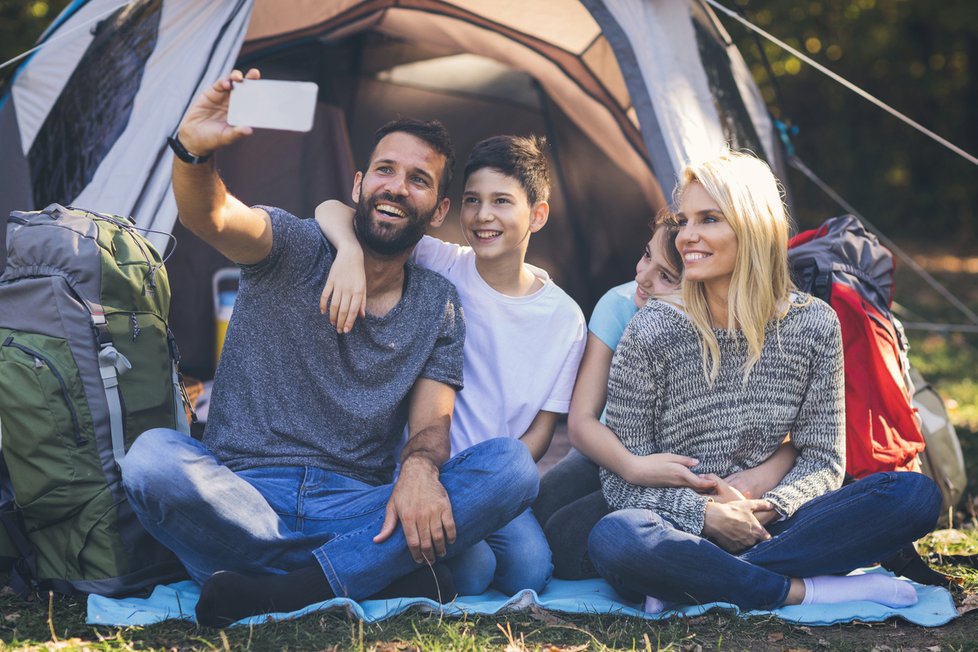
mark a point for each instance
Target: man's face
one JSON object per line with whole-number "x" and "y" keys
{"x": 397, "y": 197}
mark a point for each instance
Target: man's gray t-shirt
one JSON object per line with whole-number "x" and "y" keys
{"x": 290, "y": 391}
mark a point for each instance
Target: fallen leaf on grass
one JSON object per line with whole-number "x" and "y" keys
{"x": 697, "y": 620}
{"x": 545, "y": 617}
{"x": 806, "y": 630}
{"x": 392, "y": 646}
{"x": 947, "y": 536}
{"x": 775, "y": 636}
{"x": 11, "y": 617}
{"x": 970, "y": 603}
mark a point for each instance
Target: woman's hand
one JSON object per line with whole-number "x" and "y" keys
{"x": 665, "y": 470}
{"x": 722, "y": 491}
{"x": 764, "y": 477}
{"x": 345, "y": 294}
{"x": 735, "y": 526}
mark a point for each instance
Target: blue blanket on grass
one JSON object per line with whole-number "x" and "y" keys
{"x": 934, "y": 607}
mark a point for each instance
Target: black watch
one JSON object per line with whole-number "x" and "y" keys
{"x": 184, "y": 155}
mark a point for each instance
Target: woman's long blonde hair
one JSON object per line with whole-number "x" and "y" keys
{"x": 750, "y": 199}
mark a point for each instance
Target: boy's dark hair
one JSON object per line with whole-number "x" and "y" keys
{"x": 520, "y": 157}
{"x": 666, "y": 219}
{"x": 432, "y": 132}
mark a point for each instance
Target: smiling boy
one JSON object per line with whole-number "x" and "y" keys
{"x": 525, "y": 335}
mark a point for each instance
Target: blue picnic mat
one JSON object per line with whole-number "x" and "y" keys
{"x": 177, "y": 601}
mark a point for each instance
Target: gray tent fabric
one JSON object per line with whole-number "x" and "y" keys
{"x": 625, "y": 91}
{"x": 104, "y": 86}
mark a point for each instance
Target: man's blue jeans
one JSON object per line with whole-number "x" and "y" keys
{"x": 642, "y": 553}
{"x": 272, "y": 520}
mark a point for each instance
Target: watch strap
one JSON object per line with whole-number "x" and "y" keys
{"x": 183, "y": 154}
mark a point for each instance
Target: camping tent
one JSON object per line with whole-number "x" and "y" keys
{"x": 625, "y": 91}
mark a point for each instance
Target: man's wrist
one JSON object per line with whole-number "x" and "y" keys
{"x": 420, "y": 456}
{"x": 181, "y": 152}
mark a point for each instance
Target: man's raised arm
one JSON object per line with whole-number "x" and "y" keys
{"x": 241, "y": 233}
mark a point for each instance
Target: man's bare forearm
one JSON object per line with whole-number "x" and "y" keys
{"x": 200, "y": 195}
{"x": 430, "y": 444}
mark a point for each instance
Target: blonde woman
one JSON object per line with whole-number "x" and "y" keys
{"x": 722, "y": 380}
{"x": 570, "y": 501}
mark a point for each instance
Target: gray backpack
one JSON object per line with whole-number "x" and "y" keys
{"x": 87, "y": 363}
{"x": 941, "y": 459}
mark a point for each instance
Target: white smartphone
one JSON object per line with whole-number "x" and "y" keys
{"x": 273, "y": 104}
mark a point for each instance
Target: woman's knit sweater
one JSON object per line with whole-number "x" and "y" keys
{"x": 659, "y": 401}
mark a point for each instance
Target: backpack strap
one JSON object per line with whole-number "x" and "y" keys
{"x": 111, "y": 365}
{"x": 180, "y": 398}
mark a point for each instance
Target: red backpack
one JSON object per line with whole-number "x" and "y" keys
{"x": 847, "y": 267}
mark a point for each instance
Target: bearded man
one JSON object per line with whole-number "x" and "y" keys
{"x": 289, "y": 499}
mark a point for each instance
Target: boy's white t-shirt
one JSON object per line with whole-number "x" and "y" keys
{"x": 521, "y": 353}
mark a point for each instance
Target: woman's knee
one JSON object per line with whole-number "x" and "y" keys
{"x": 909, "y": 501}
{"x": 613, "y": 540}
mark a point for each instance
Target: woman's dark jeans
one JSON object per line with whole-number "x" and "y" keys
{"x": 641, "y": 553}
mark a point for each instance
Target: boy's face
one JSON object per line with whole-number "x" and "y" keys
{"x": 496, "y": 216}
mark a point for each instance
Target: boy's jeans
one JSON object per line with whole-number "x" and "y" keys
{"x": 642, "y": 553}
{"x": 511, "y": 559}
{"x": 271, "y": 520}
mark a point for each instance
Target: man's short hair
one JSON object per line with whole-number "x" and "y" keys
{"x": 520, "y": 157}
{"x": 432, "y": 132}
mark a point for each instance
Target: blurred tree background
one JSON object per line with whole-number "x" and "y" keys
{"x": 919, "y": 57}
{"x": 21, "y": 23}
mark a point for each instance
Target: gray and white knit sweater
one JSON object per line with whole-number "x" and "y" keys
{"x": 659, "y": 401}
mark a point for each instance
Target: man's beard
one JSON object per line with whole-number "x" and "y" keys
{"x": 387, "y": 239}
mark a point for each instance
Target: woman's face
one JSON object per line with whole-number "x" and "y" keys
{"x": 706, "y": 240}
{"x": 653, "y": 273}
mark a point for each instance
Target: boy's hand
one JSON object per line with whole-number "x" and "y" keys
{"x": 345, "y": 294}
{"x": 665, "y": 470}
{"x": 205, "y": 127}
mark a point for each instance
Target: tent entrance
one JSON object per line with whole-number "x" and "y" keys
{"x": 599, "y": 210}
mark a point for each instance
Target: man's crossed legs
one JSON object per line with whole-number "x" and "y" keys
{"x": 314, "y": 525}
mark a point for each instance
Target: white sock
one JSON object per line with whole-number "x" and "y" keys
{"x": 653, "y": 605}
{"x": 873, "y": 587}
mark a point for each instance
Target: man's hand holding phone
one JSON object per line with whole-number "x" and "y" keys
{"x": 205, "y": 127}
{"x": 232, "y": 107}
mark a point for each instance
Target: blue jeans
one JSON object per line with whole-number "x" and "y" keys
{"x": 271, "y": 520}
{"x": 513, "y": 558}
{"x": 642, "y": 553}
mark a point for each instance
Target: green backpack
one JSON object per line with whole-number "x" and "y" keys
{"x": 87, "y": 363}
